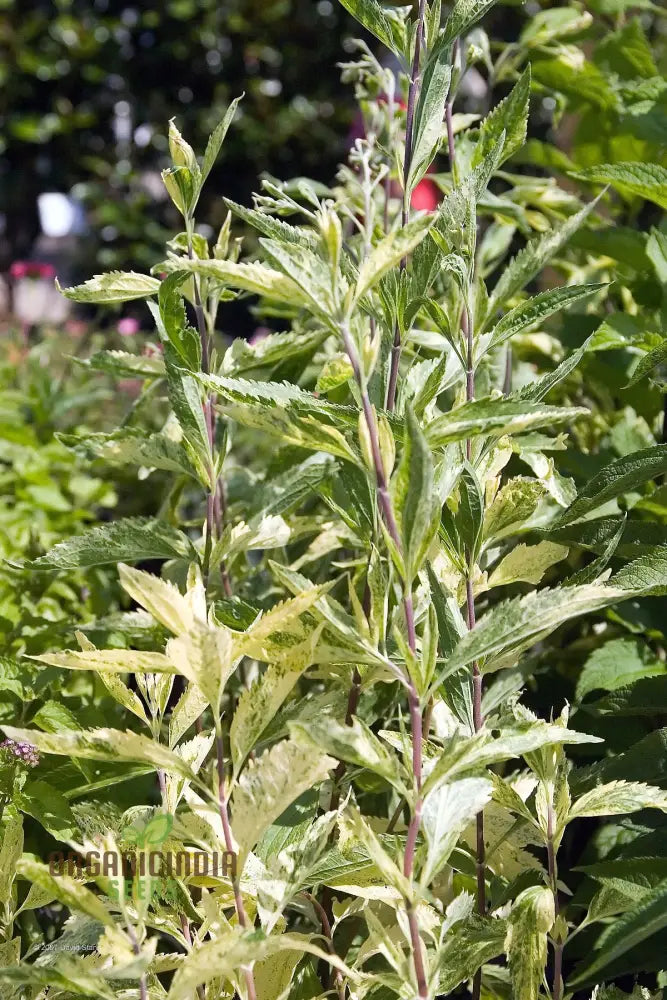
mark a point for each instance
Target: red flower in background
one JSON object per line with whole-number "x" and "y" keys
{"x": 32, "y": 269}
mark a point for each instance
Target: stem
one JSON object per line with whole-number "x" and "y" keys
{"x": 413, "y": 91}
{"x": 389, "y": 518}
{"x": 223, "y": 810}
{"x": 326, "y": 930}
{"x": 553, "y": 878}
{"x": 185, "y": 927}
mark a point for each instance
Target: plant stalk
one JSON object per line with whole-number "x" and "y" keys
{"x": 413, "y": 92}
{"x": 223, "y": 810}
{"x": 389, "y": 518}
{"x": 552, "y": 862}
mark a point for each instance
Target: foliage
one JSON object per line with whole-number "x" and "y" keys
{"x": 398, "y": 639}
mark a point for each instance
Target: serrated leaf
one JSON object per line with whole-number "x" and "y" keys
{"x": 540, "y": 307}
{"x": 188, "y": 709}
{"x": 65, "y": 889}
{"x": 270, "y": 784}
{"x": 497, "y": 418}
{"x": 131, "y": 539}
{"x": 513, "y": 506}
{"x": 527, "y": 563}
{"x": 648, "y": 363}
{"x": 628, "y": 930}
{"x": 355, "y": 744}
{"x": 206, "y": 656}
{"x": 615, "y": 664}
{"x": 101, "y": 744}
{"x": 10, "y": 852}
{"x": 162, "y": 599}
{"x": 248, "y": 277}
{"x": 521, "y": 620}
{"x": 133, "y": 447}
{"x": 530, "y": 261}
{"x": 465, "y": 14}
{"x": 174, "y": 327}
{"x": 646, "y": 180}
{"x": 371, "y": 15}
{"x": 621, "y": 476}
{"x": 509, "y": 116}
{"x": 618, "y": 798}
{"x": 258, "y": 705}
{"x": 429, "y": 113}
{"x": 119, "y": 661}
{"x": 116, "y": 286}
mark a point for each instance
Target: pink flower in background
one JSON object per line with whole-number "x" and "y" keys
{"x": 128, "y": 326}
{"x": 32, "y": 269}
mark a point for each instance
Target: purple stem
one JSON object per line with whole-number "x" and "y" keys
{"x": 389, "y": 518}
{"x": 223, "y": 810}
{"x": 407, "y": 163}
{"x": 478, "y": 718}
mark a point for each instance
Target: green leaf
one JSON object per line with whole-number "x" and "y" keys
{"x": 355, "y": 744}
{"x": 50, "y": 808}
{"x": 174, "y": 327}
{"x": 258, "y": 705}
{"x": 429, "y": 113}
{"x": 496, "y": 417}
{"x": 187, "y": 404}
{"x": 470, "y": 514}
{"x": 11, "y": 850}
{"x": 269, "y": 785}
{"x": 646, "y": 180}
{"x": 414, "y": 502}
{"x": 528, "y": 924}
{"x": 131, "y": 539}
{"x": 119, "y": 661}
{"x": 66, "y": 890}
{"x": 447, "y": 812}
{"x": 217, "y": 138}
{"x": 134, "y": 447}
{"x": 229, "y": 952}
{"x": 617, "y": 663}
{"x": 534, "y": 391}
{"x": 269, "y": 225}
{"x": 530, "y": 261}
{"x": 645, "y": 575}
{"x": 465, "y": 14}
{"x": 206, "y": 656}
{"x": 527, "y": 563}
{"x": 648, "y": 363}
{"x": 618, "y": 798}
{"x": 102, "y": 744}
{"x": 537, "y": 309}
{"x": 513, "y": 624}
{"x": 309, "y": 272}
{"x": 125, "y": 364}
{"x": 390, "y": 251}
{"x": 371, "y": 15}
{"x": 512, "y": 507}
{"x": 509, "y": 116}
{"x": 621, "y": 476}
{"x": 648, "y": 917}
{"x": 162, "y": 599}
{"x": 249, "y": 277}
{"x": 116, "y": 286}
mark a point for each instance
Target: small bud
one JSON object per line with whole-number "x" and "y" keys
{"x": 387, "y": 445}
{"x": 332, "y": 234}
{"x": 365, "y": 442}
{"x": 221, "y": 248}
{"x": 182, "y": 153}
